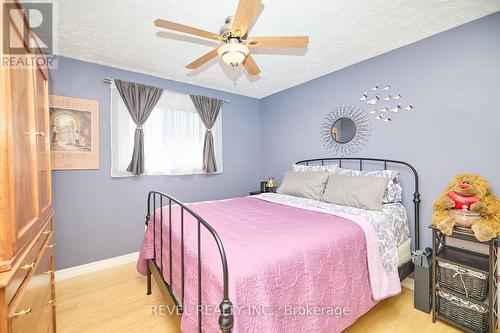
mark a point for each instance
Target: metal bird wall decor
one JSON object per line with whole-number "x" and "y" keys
{"x": 376, "y": 95}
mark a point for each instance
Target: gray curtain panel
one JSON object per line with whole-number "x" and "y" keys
{"x": 140, "y": 100}
{"x": 208, "y": 109}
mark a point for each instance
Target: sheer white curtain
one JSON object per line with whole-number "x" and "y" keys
{"x": 173, "y": 137}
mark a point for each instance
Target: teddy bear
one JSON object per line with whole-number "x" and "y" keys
{"x": 469, "y": 192}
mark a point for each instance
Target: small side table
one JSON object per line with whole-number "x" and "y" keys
{"x": 255, "y": 192}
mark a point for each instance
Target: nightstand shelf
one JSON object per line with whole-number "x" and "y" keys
{"x": 466, "y": 259}
{"x": 463, "y": 258}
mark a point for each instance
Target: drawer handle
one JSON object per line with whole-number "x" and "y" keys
{"x": 51, "y": 246}
{"x": 22, "y": 313}
{"x": 47, "y": 232}
{"x": 52, "y": 301}
{"x": 28, "y": 267}
{"x": 42, "y": 134}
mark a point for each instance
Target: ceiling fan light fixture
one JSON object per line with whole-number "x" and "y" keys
{"x": 234, "y": 38}
{"x": 233, "y": 53}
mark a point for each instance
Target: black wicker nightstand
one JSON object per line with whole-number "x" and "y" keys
{"x": 464, "y": 284}
{"x": 255, "y": 192}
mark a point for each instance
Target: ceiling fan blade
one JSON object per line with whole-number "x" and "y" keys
{"x": 281, "y": 41}
{"x": 203, "y": 59}
{"x": 245, "y": 14}
{"x": 251, "y": 66}
{"x": 185, "y": 28}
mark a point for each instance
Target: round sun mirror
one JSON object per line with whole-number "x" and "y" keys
{"x": 343, "y": 130}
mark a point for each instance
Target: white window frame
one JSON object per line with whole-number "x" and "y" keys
{"x": 165, "y": 161}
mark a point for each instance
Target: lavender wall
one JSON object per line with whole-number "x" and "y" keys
{"x": 453, "y": 79}
{"x": 98, "y": 217}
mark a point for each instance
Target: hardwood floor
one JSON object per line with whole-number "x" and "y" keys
{"x": 114, "y": 300}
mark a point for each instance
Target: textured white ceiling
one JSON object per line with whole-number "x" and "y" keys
{"x": 120, "y": 33}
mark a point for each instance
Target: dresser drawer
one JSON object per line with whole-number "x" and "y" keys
{"x": 27, "y": 264}
{"x": 28, "y": 308}
{"x": 45, "y": 321}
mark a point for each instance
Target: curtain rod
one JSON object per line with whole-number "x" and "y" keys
{"x": 110, "y": 80}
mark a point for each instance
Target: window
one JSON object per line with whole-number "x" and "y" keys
{"x": 174, "y": 135}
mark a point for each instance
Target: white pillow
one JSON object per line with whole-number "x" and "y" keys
{"x": 305, "y": 168}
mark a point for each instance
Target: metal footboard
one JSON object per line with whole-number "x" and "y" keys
{"x": 226, "y": 318}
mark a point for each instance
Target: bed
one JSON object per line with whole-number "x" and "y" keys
{"x": 275, "y": 262}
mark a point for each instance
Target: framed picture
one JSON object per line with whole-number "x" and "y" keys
{"x": 74, "y": 133}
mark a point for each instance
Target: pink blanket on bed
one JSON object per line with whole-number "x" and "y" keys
{"x": 290, "y": 269}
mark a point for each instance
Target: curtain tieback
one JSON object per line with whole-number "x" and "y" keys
{"x": 209, "y": 129}
{"x": 139, "y": 127}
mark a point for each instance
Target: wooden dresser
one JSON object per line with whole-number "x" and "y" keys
{"x": 27, "y": 296}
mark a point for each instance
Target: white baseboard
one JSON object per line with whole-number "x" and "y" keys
{"x": 71, "y": 272}
{"x": 408, "y": 283}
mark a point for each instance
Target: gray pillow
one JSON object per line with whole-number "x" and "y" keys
{"x": 364, "y": 192}
{"x": 306, "y": 184}
{"x": 393, "y": 191}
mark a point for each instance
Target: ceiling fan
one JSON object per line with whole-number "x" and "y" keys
{"x": 233, "y": 35}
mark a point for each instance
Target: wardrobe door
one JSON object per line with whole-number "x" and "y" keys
{"x": 24, "y": 157}
{"x": 6, "y": 250}
{"x": 42, "y": 135}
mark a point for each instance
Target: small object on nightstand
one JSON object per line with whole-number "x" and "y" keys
{"x": 263, "y": 186}
{"x": 271, "y": 184}
{"x": 464, "y": 218}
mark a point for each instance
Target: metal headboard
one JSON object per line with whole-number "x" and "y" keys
{"x": 416, "y": 194}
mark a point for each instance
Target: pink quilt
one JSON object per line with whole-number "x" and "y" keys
{"x": 290, "y": 269}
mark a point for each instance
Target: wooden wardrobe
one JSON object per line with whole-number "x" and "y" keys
{"x": 27, "y": 296}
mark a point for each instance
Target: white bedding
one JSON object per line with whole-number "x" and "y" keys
{"x": 404, "y": 252}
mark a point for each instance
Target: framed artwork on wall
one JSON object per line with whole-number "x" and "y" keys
{"x": 74, "y": 133}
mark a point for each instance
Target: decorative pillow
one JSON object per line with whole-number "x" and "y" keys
{"x": 302, "y": 168}
{"x": 364, "y": 192}
{"x": 306, "y": 184}
{"x": 393, "y": 192}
